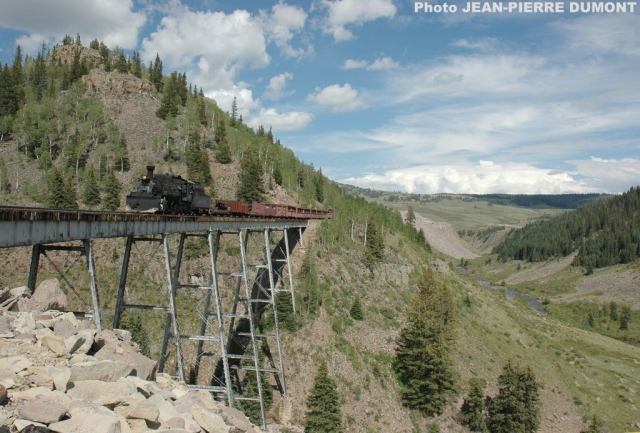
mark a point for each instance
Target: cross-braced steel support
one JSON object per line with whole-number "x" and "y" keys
{"x": 87, "y": 250}
{"x": 237, "y": 326}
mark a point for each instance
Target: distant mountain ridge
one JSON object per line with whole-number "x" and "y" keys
{"x": 553, "y": 201}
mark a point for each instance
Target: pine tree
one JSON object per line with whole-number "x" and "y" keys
{"x": 422, "y": 362}
{"x": 250, "y": 186}
{"x": 121, "y": 155}
{"x": 223, "y": 153}
{"x": 323, "y": 415}
{"x": 201, "y": 108}
{"x": 374, "y": 251}
{"x": 613, "y": 311}
{"x": 625, "y": 317}
{"x": 94, "y": 44}
{"x": 155, "y": 74}
{"x": 472, "y": 412}
{"x": 112, "y": 190}
{"x": 91, "y": 194}
{"x": 234, "y": 112}
{"x": 410, "y": 217}
{"x": 121, "y": 64}
{"x": 277, "y": 174}
{"x": 198, "y": 169}
{"x": 136, "y": 65}
{"x": 318, "y": 181}
{"x": 61, "y": 193}
{"x": 356, "y": 310}
{"x": 516, "y": 408}
{"x": 171, "y": 99}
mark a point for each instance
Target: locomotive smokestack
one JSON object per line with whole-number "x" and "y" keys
{"x": 150, "y": 169}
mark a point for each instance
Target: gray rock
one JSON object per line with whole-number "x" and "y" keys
{"x": 174, "y": 430}
{"x": 55, "y": 344}
{"x": 87, "y": 335}
{"x": 176, "y": 422}
{"x": 60, "y": 377}
{"x": 105, "y": 371}
{"x": 5, "y": 324}
{"x": 21, "y": 424}
{"x": 103, "y": 393}
{"x": 209, "y": 421}
{"x": 166, "y": 409}
{"x": 144, "y": 367}
{"x": 24, "y": 323}
{"x": 31, "y": 393}
{"x": 91, "y": 422}
{"x": 73, "y": 343}
{"x": 186, "y": 402}
{"x": 48, "y": 296}
{"x": 41, "y": 409}
{"x": 138, "y": 425}
{"x": 102, "y": 338}
{"x": 64, "y": 328}
{"x": 143, "y": 409}
{"x": 235, "y": 418}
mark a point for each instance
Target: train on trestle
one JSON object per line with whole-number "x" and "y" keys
{"x": 170, "y": 194}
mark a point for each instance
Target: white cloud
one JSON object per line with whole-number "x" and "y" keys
{"x": 613, "y": 175}
{"x": 244, "y": 100}
{"x": 380, "y": 64}
{"x": 254, "y": 114}
{"x": 287, "y": 121}
{"x": 112, "y": 21}
{"x": 282, "y": 25}
{"x": 275, "y": 89}
{"x": 383, "y": 63}
{"x": 354, "y": 64}
{"x": 482, "y": 44}
{"x": 32, "y": 44}
{"x": 354, "y": 12}
{"x": 226, "y": 42}
{"x": 616, "y": 33}
{"x": 510, "y": 178}
{"x": 338, "y": 98}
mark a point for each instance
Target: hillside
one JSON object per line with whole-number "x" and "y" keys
{"x": 606, "y": 233}
{"x": 581, "y": 372}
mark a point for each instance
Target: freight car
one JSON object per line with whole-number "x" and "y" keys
{"x": 165, "y": 193}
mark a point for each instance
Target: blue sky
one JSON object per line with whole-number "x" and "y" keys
{"x": 382, "y": 96}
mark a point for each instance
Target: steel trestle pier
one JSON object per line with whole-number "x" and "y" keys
{"x": 230, "y": 337}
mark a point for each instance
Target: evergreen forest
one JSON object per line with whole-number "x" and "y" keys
{"x": 605, "y": 233}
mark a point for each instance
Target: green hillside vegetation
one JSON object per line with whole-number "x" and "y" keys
{"x": 358, "y": 277}
{"x": 606, "y": 233}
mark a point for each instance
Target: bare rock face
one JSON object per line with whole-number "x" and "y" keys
{"x": 47, "y": 296}
{"x": 42, "y": 409}
{"x": 50, "y": 383}
{"x": 143, "y": 367}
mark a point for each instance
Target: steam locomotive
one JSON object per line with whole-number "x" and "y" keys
{"x": 166, "y": 193}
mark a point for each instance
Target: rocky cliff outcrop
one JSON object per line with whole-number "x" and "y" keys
{"x": 58, "y": 374}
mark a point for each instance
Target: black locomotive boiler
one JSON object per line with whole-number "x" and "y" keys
{"x": 166, "y": 193}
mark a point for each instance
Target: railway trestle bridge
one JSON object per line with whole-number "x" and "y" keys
{"x": 229, "y": 337}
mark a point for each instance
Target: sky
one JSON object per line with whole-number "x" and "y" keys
{"x": 394, "y": 94}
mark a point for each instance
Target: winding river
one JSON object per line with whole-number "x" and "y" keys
{"x": 533, "y": 302}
